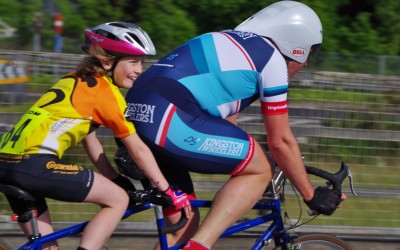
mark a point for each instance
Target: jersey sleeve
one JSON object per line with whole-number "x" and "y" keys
{"x": 274, "y": 86}
{"x": 109, "y": 111}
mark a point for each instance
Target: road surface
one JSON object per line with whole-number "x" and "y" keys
{"x": 144, "y": 242}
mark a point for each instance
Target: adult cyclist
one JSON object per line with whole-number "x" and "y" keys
{"x": 70, "y": 112}
{"x": 185, "y": 106}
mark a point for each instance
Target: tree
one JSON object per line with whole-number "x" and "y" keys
{"x": 217, "y": 15}
{"x": 24, "y": 22}
{"x": 368, "y": 27}
{"x": 388, "y": 26}
{"x": 167, "y": 24}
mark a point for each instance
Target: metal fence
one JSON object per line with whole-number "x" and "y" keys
{"x": 368, "y": 64}
{"x": 335, "y": 116}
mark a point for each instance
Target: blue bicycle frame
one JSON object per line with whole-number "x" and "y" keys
{"x": 274, "y": 216}
{"x": 76, "y": 229}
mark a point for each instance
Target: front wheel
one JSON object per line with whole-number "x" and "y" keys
{"x": 320, "y": 242}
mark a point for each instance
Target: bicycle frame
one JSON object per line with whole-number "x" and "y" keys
{"x": 270, "y": 233}
{"x": 273, "y": 205}
{"x": 76, "y": 229}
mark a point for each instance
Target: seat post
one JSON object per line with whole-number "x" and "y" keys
{"x": 33, "y": 214}
{"x": 29, "y": 201}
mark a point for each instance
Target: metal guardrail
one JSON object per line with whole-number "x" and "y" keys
{"x": 47, "y": 63}
{"x": 347, "y": 81}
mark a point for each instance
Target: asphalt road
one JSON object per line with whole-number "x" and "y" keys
{"x": 144, "y": 242}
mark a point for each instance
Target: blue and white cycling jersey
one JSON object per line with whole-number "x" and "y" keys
{"x": 226, "y": 71}
{"x": 178, "y": 105}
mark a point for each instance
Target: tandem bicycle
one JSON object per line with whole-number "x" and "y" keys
{"x": 276, "y": 235}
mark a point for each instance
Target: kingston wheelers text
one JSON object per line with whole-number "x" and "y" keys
{"x": 140, "y": 112}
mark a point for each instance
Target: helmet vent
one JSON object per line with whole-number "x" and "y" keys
{"x": 134, "y": 38}
{"x": 107, "y": 34}
{"x": 118, "y": 24}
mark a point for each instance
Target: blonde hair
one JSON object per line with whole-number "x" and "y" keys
{"x": 91, "y": 64}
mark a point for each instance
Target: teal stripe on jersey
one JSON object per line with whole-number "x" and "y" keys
{"x": 206, "y": 91}
{"x": 274, "y": 91}
{"x": 205, "y": 61}
{"x": 213, "y": 90}
{"x": 211, "y": 53}
{"x": 197, "y": 52}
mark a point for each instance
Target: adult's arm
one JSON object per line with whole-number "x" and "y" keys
{"x": 286, "y": 152}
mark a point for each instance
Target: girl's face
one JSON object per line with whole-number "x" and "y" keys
{"x": 127, "y": 70}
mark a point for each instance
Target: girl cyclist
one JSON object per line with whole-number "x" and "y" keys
{"x": 70, "y": 112}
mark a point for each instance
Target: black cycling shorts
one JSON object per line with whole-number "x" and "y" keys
{"x": 45, "y": 176}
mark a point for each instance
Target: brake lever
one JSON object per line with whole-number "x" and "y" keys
{"x": 335, "y": 180}
{"x": 351, "y": 183}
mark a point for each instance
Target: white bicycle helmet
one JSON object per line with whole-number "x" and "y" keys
{"x": 120, "y": 39}
{"x": 292, "y": 26}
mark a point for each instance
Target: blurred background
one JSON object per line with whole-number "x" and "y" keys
{"x": 343, "y": 107}
{"x": 351, "y": 27}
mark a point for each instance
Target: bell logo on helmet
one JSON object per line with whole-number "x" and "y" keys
{"x": 298, "y": 52}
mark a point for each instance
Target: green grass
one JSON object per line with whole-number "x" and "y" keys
{"x": 16, "y": 108}
{"x": 354, "y": 211}
{"x": 301, "y": 94}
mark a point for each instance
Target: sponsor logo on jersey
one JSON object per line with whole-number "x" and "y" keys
{"x": 191, "y": 140}
{"x": 140, "y": 112}
{"x": 223, "y": 147}
{"x": 61, "y": 126}
{"x": 33, "y": 112}
{"x": 172, "y": 57}
{"x": 242, "y": 34}
{"x": 63, "y": 168}
{"x": 274, "y": 108}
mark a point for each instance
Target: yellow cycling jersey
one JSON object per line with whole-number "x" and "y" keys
{"x": 65, "y": 114}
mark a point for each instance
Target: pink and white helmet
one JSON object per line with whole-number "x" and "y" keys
{"x": 120, "y": 39}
